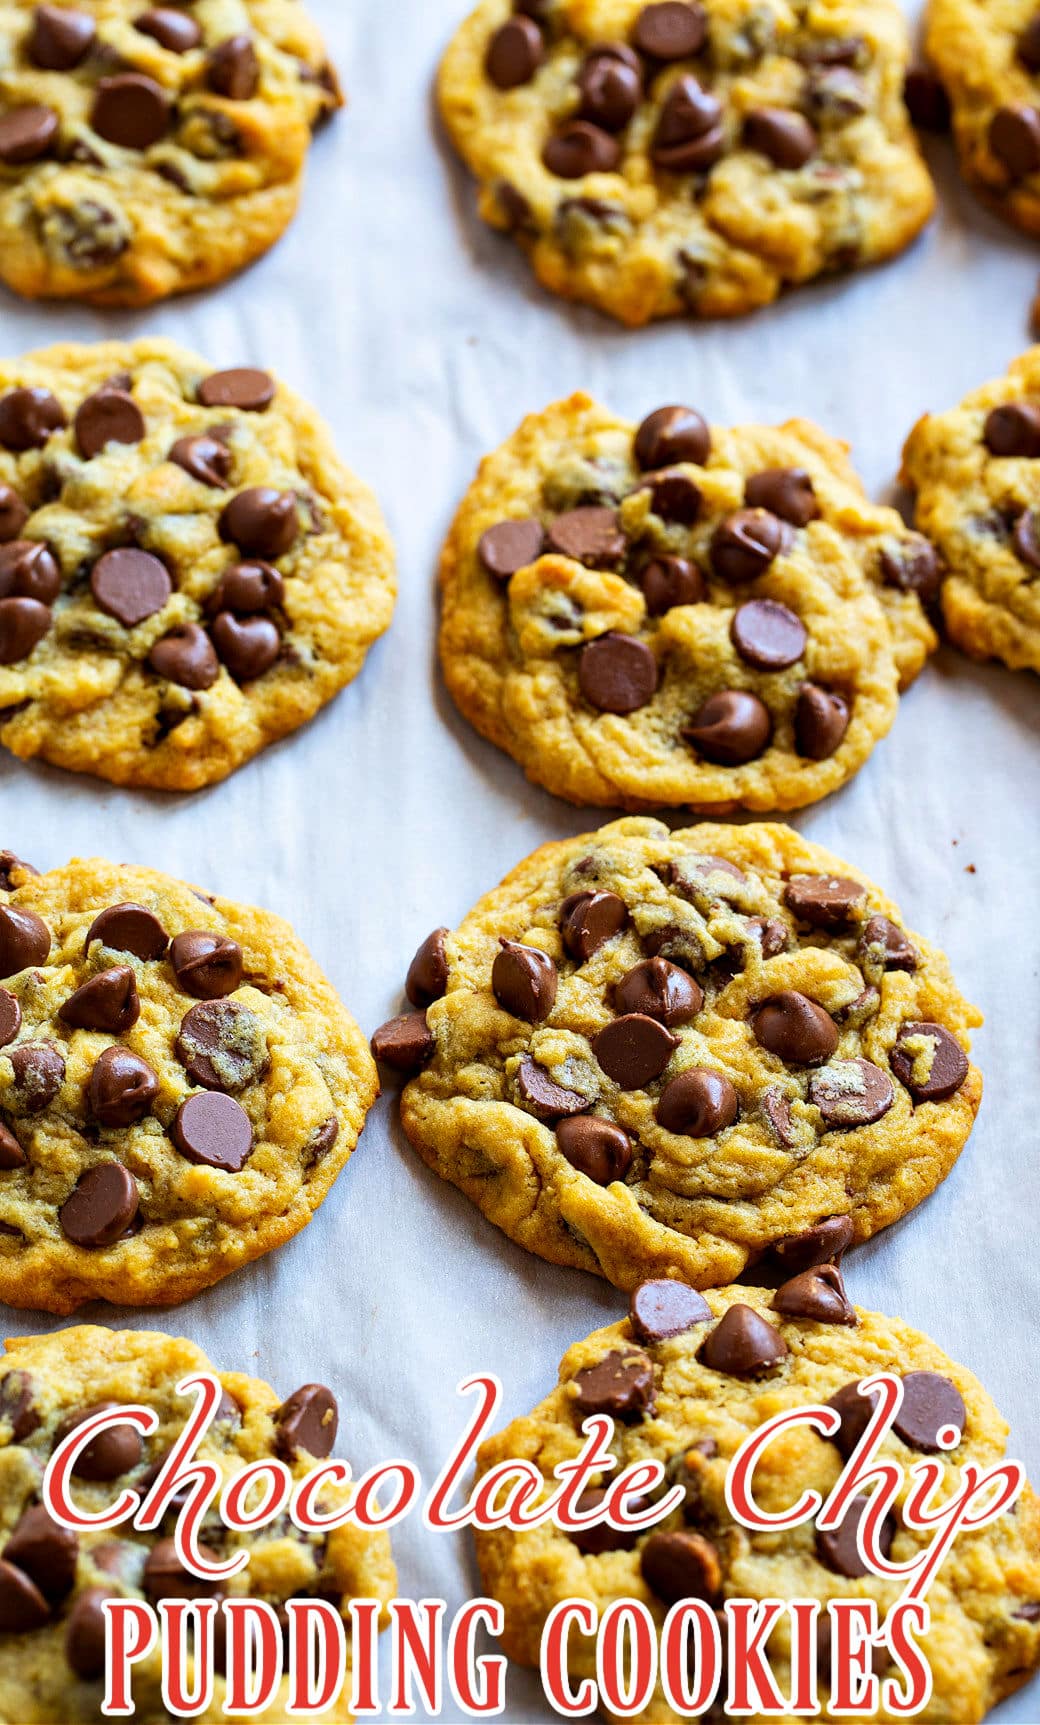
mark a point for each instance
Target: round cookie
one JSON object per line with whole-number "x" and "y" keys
{"x": 976, "y": 472}
{"x": 187, "y": 570}
{"x": 49, "y": 1671}
{"x": 179, "y": 1087}
{"x": 673, "y": 614}
{"x": 650, "y": 1052}
{"x": 689, "y": 1401}
{"x": 149, "y": 151}
{"x": 689, "y": 159}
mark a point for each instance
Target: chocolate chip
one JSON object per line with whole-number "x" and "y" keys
{"x": 1028, "y": 1613}
{"x": 25, "y": 940}
{"x": 222, "y": 1045}
{"x": 596, "y": 1147}
{"x": 244, "y": 387}
{"x": 101, "y": 1206}
{"x": 1012, "y": 429}
{"x": 669, "y": 581}
{"x": 838, "y": 1549}
{"x": 29, "y": 570}
{"x": 663, "y": 1309}
{"x": 657, "y": 989}
{"x": 851, "y": 1093}
{"x": 524, "y": 982}
{"x": 634, "y": 1050}
{"x": 10, "y": 1017}
{"x": 185, "y": 656}
{"x": 782, "y": 135}
{"x": 543, "y": 1097}
{"x": 514, "y": 53}
{"x": 109, "y": 1001}
{"x": 427, "y": 978}
{"x": 926, "y": 100}
{"x": 39, "y": 1072}
{"x": 131, "y": 110}
{"x": 591, "y": 535}
{"x": 820, "y": 722}
{"x": 1014, "y": 138}
{"x": 674, "y": 497}
{"x": 29, "y": 418}
{"x": 404, "y": 1044}
{"x": 689, "y": 136}
{"x": 743, "y": 1345}
{"x": 130, "y": 586}
{"x": 837, "y": 94}
{"x": 698, "y": 1104}
{"x": 13, "y": 871}
{"x": 27, "y": 133}
{"x": 768, "y": 934}
{"x": 795, "y": 1029}
{"x": 911, "y": 564}
{"x": 214, "y": 1130}
{"x": 122, "y": 1088}
{"x": 262, "y": 522}
{"x": 166, "y": 1578}
{"x": 595, "y": 1541}
{"x": 59, "y": 39}
{"x": 108, "y": 1456}
{"x": 248, "y": 646}
{"x": 307, "y": 1424}
{"x": 108, "y": 416}
{"x": 817, "y": 1295}
{"x": 204, "y": 458}
{"x": 855, "y": 1411}
{"x": 930, "y": 1403}
{"x": 510, "y": 546}
{"x": 681, "y": 1565}
{"x": 747, "y": 543}
{"x": 13, "y": 514}
{"x": 44, "y": 1551}
{"x": 731, "y": 728}
{"x": 671, "y": 30}
{"x": 248, "y": 588}
{"x": 1026, "y": 538}
{"x": 824, "y": 901}
{"x": 588, "y": 920}
{"x": 824, "y": 1244}
{"x": 321, "y": 1142}
{"x": 671, "y": 435}
{"x": 929, "y": 1062}
{"x": 767, "y": 635}
{"x": 786, "y": 492}
{"x": 85, "y": 1638}
{"x": 129, "y": 928}
{"x": 22, "y": 1605}
{"x": 611, "y": 86}
{"x": 174, "y": 31}
{"x": 580, "y": 149}
{"x": 11, "y": 1153}
{"x": 233, "y": 69}
{"x": 16, "y": 1405}
{"x": 621, "y": 1384}
{"x": 617, "y": 673}
{"x": 23, "y": 625}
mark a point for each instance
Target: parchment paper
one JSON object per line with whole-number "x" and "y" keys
{"x": 423, "y": 338}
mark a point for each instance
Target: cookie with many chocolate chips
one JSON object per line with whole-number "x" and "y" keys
{"x": 53, "y": 1583}
{"x": 727, "y": 1042}
{"x": 679, "y": 614}
{"x": 148, "y": 151}
{"x": 706, "y": 1389}
{"x": 179, "y": 1087}
{"x": 976, "y": 472}
{"x": 687, "y": 159}
{"x": 187, "y": 570}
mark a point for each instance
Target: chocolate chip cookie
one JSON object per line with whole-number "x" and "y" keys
{"x": 145, "y": 150}
{"x": 53, "y": 1582}
{"x": 179, "y": 1086}
{"x": 688, "y": 1380}
{"x": 976, "y": 472}
{"x": 651, "y": 1052}
{"x": 679, "y": 614}
{"x": 187, "y": 570}
{"x": 684, "y": 158}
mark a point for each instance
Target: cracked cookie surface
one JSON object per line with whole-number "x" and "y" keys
{"x": 52, "y": 1582}
{"x": 651, "y": 1052}
{"x": 689, "y": 1400}
{"x": 677, "y": 614}
{"x": 179, "y": 1086}
{"x": 976, "y": 472}
{"x": 187, "y": 570}
{"x": 687, "y": 159}
{"x": 149, "y": 151}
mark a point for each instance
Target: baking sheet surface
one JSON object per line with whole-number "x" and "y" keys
{"x": 423, "y": 338}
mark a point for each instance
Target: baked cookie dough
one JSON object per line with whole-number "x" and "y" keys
{"x": 677, "y": 614}
{"x": 976, "y": 472}
{"x": 650, "y": 1052}
{"x": 145, "y": 150}
{"x": 688, "y": 1381}
{"x": 179, "y": 1086}
{"x": 187, "y": 570}
{"x": 688, "y": 159}
{"x": 53, "y": 1582}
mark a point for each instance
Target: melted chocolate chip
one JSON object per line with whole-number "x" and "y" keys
{"x": 44, "y": 1551}
{"x": 672, "y": 435}
{"x": 510, "y": 546}
{"x": 129, "y": 928}
{"x": 248, "y": 646}
{"x": 669, "y": 581}
{"x": 595, "y": 1147}
{"x": 580, "y": 149}
{"x": 698, "y": 1104}
{"x": 25, "y": 940}
{"x": 851, "y": 1093}
{"x": 795, "y": 1029}
{"x": 244, "y": 388}
{"x": 820, "y": 723}
{"x": 689, "y": 136}
{"x": 123, "y": 1088}
{"x": 101, "y": 1206}
{"x": 524, "y": 982}
{"x": 204, "y": 458}
{"x": 39, "y": 1072}
{"x": 824, "y": 1244}
{"x": 109, "y": 1455}
{"x": 588, "y": 920}
{"x": 591, "y": 535}
{"x": 824, "y": 901}
{"x": 731, "y": 728}
{"x": 657, "y": 989}
{"x": 222, "y": 1045}
{"x": 208, "y": 966}
{"x": 838, "y": 1549}
{"x": 185, "y": 656}
{"x": 29, "y": 418}
{"x": 107, "y": 416}
{"x": 109, "y": 1001}
{"x": 248, "y": 588}
{"x": 746, "y": 544}
{"x": 681, "y": 1565}
{"x": 930, "y": 1404}
{"x": 543, "y": 1097}
{"x": 85, "y": 1634}
{"x": 634, "y": 1050}
{"x": 427, "y": 978}
{"x": 262, "y": 522}
{"x": 786, "y": 492}
{"x": 130, "y": 586}
{"x": 816, "y": 1295}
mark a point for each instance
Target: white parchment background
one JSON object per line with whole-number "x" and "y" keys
{"x": 422, "y": 338}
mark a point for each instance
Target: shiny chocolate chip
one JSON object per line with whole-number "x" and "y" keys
{"x": 621, "y": 1384}
{"x": 307, "y": 1424}
{"x": 681, "y": 1565}
{"x": 245, "y": 388}
{"x": 261, "y": 521}
{"x": 123, "y": 1088}
{"x": 10, "y": 1017}
{"x": 911, "y": 564}
{"x": 27, "y": 133}
{"x": 214, "y": 1130}
{"x": 820, "y": 722}
{"x": 930, "y": 1404}
{"x": 731, "y": 728}
{"x": 674, "y": 496}
{"x": 22, "y": 1605}
{"x": 838, "y": 1549}
{"x": 234, "y": 69}
{"x": 929, "y": 1062}
{"x": 824, "y": 901}
{"x": 1013, "y": 429}
{"x": 60, "y": 39}
{"x": 1014, "y": 138}
{"x": 108, "y": 1001}
{"x": 698, "y": 1104}
{"x": 129, "y": 928}
{"x": 222, "y": 1045}
{"x": 107, "y": 416}
{"x": 824, "y": 1244}
{"x": 817, "y": 1295}
{"x": 671, "y": 435}
{"x": 29, "y": 418}
{"x": 786, "y": 492}
{"x": 524, "y": 982}
{"x": 767, "y": 635}
{"x": 131, "y": 110}
{"x": 851, "y": 1093}
{"x": 671, "y": 29}
{"x": 85, "y": 1634}
{"x": 746, "y": 544}
{"x": 783, "y": 136}
{"x": 634, "y": 1050}
{"x": 579, "y": 149}
{"x": 427, "y": 978}
{"x": 611, "y": 87}
{"x": 186, "y": 657}
{"x": 247, "y": 589}
{"x": 29, "y": 570}
{"x": 514, "y": 53}
{"x": 23, "y": 625}
{"x": 174, "y": 31}
{"x": 543, "y": 1097}
{"x": 595, "y": 1147}
{"x": 45, "y": 1551}
{"x": 130, "y": 586}
{"x": 101, "y": 1206}
{"x": 204, "y": 458}
{"x": 588, "y": 920}
{"x": 13, "y": 514}
{"x": 248, "y": 646}
{"x": 617, "y": 673}
{"x": 795, "y": 1029}
{"x": 669, "y": 581}
{"x": 743, "y": 1345}
{"x": 109, "y": 1455}
{"x": 591, "y": 535}
{"x": 510, "y": 546}
{"x": 660, "y": 990}
{"x": 25, "y": 940}
{"x": 405, "y": 1044}
{"x": 39, "y": 1072}
{"x": 689, "y": 136}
